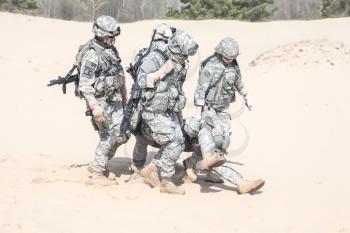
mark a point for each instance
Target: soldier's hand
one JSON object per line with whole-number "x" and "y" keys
{"x": 248, "y": 102}
{"x": 98, "y": 113}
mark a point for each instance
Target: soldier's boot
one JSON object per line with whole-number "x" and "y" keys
{"x": 167, "y": 186}
{"x": 150, "y": 175}
{"x": 134, "y": 168}
{"x": 249, "y": 186}
{"x": 190, "y": 168}
{"x": 90, "y": 167}
{"x": 135, "y": 173}
{"x": 211, "y": 160}
{"x": 213, "y": 178}
{"x": 106, "y": 173}
{"x": 97, "y": 178}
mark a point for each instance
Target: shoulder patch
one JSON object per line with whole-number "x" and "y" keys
{"x": 89, "y": 69}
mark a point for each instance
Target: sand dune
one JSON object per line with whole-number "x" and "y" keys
{"x": 297, "y": 135}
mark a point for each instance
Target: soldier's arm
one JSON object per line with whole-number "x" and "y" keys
{"x": 239, "y": 85}
{"x": 87, "y": 77}
{"x": 204, "y": 80}
{"x": 146, "y": 74}
{"x": 122, "y": 87}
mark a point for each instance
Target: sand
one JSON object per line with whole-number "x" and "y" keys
{"x": 296, "y": 137}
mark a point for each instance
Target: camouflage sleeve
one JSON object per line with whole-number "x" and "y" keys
{"x": 147, "y": 67}
{"x": 204, "y": 80}
{"x": 122, "y": 87}
{"x": 239, "y": 85}
{"x": 89, "y": 65}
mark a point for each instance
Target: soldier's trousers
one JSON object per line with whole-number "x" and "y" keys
{"x": 108, "y": 133}
{"x": 221, "y": 124}
{"x": 165, "y": 131}
{"x": 140, "y": 151}
{"x": 227, "y": 172}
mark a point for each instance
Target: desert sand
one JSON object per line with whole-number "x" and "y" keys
{"x": 296, "y": 137}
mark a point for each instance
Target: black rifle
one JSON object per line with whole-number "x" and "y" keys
{"x": 69, "y": 78}
{"x": 135, "y": 94}
{"x": 134, "y": 100}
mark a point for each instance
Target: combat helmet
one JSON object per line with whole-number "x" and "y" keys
{"x": 228, "y": 48}
{"x": 163, "y": 31}
{"x": 182, "y": 43}
{"x": 106, "y": 26}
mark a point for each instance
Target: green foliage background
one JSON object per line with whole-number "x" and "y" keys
{"x": 332, "y": 8}
{"x": 246, "y": 10}
{"x": 25, "y": 6}
{"x": 250, "y": 10}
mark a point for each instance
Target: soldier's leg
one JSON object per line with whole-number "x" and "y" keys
{"x": 140, "y": 152}
{"x": 108, "y": 133}
{"x": 227, "y": 172}
{"x": 208, "y": 146}
{"x": 243, "y": 186}
{"x": 115, "y": 140}
{"x": 167, "y": 132}
{"x": 98, "y": 174}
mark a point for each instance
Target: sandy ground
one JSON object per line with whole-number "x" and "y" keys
{"x": 297, "y": 134}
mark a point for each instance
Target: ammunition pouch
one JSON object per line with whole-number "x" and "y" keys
{"x": 160, "y": 102}
{"x": 180, "y": 103}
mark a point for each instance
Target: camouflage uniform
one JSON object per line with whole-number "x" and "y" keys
{"x": 191, "y": 128}
{"x": 102, "y": 82}
{"x": 160, "y": 101}
{"x": 160, "y": 42}
{"x": 216, "y": 89}
{"x": 225, "y": 171}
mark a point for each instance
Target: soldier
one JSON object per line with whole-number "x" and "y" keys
{"x": 102, "y": 85}
{"x": 160, "y": 42}
{"x": 219, "y": 79}
{"x": 192, "y": 128}
{"x": 162, "y": 97}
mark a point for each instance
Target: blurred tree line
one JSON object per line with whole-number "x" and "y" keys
{"x": 132, "y": 10}
{"x": 250, "y": 10}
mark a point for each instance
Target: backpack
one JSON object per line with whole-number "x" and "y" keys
{"x": 70, "y": 77}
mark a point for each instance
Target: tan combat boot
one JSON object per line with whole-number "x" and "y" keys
{"x": 249, "y": 186}
{"x": 97, "y": 178}
{"x": 106, "y": 173}
{"x": 150, "y": 175}
{"x": 190, "y": 168}
{"x": 211, "y": 160}
{"x": 167, "y": 186}
{"x": 135, "y": 174}
{"x": 90, "y": 167}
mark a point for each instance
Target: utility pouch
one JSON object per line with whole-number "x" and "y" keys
{"x": 160, "y": 102}
{"x": 180, "y": 103}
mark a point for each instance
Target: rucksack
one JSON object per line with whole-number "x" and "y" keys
{"x": 70, "y": 77}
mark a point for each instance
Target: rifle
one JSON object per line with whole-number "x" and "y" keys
{"x": 133, "y": 102}
{"x": 69, "y": 78}
{"x": 135, "y": 94}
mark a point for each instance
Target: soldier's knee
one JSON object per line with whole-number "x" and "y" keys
{"x": 175, "y": 148}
